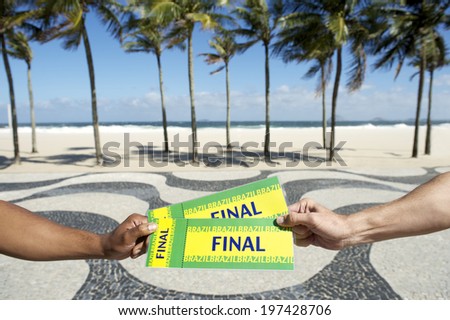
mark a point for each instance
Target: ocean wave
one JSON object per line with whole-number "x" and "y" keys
{"x": 256, "y": 126}
{"x": 360, "y": 126}
{"x": 89, "y": 129}
{"x": 182, "y": 127}
{"x": 401, "y": 125}
{"x": 443, "y": 125}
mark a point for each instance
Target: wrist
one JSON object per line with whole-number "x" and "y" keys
{"x": 85, "y": 245}
{"x": 371, "y": 225}
{"x": 358, "y": 226}
{"x": 105, "y": 246}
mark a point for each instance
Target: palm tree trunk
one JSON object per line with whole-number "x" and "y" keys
{"x": 227, "y": 84}
{"x": 87, "y": 46}
{"x": 33, "y": 120}
{"x": 334, "y": 101}
{"x": 430, "y": 96}
{"x": 267, "y": 135}
{"x": 324, "y": 106}
{"x": 12, "y": 101}
{"x": 163, "y": 106}
{"x": 423, "y": 65}
{"x": 191, "y": 93}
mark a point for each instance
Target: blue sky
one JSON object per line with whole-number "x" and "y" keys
{"x": 128, "y": 87}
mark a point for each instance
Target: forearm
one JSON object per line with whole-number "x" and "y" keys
{"x": 424, "y": 210}
{"x": 28, "y": 236}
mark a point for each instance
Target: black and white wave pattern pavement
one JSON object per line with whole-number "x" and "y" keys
{"x": 409, "y": 268}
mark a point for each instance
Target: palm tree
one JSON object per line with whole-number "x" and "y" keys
{"x": 436, "y": 58}
{"x": 11, "y": 17}
{"x": 294, "y": 46}
{"x": 344, "y": 22}
{"x": 412, "y": 25}
{"x": 324, "y": 65}
{"x": 435, "y": 55}
{"x": 67, "y": 20}
{"x": 183, "y": 16}
{"x": 225, "y": 48}
{"x": 145, "y": 34}
{"x": 260, "y": 20}
{"x": 12, "y": 100}
{"x": 19, "y": 48}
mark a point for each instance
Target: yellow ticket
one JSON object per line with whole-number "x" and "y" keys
{"x": 221, "y": 244}
{"x": 260, "y": 199}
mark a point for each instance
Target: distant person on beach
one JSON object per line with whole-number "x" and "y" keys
{"x": 28, "y": 236}
{"x": 424, "y": 210}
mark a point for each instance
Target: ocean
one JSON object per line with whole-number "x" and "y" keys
{"x": 139, "y": 126}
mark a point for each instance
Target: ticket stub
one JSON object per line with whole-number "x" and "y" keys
{"x": 221, "y": 244}
{"x": 260, "y": 199}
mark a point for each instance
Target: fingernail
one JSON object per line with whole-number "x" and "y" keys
{"x": 280, "y": 219}
{"x": 152, "y": 227}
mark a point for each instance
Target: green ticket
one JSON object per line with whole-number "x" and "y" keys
{"x": 221, "y": 244}
{"x": 260, "y": 199}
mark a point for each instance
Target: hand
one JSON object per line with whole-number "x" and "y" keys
{"x": 313, "y": 224}
{"x": 129, "y": 239}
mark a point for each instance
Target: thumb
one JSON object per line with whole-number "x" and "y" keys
{"x": 139, "y": 231}
{"x": 294, "y": 219}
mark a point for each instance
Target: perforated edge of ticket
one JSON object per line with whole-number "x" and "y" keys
{"x": 221, "y": 244}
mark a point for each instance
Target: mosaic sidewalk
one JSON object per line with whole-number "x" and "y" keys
{"x": 409, "y": 268}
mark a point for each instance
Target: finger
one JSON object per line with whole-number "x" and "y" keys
{"x": 136, "y": 219}
{"x": 295, "y": 207}
{"x": 304, "y": 242}
{"x": 309, "y": 205}
{"x": 294, "y": 219}
{"x": 301, "y": 232}
{"x": 301, "y": 206}
{"x": 304, "y": 206}
{"x": 138, "y": 246}
{"x": 138, "y": 250}
{"x": 302, "y": 236}
{"x": 139, "y": 231}
{"x": 315, "y": 207}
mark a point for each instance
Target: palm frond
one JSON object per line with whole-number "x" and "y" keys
{"x": 166, "y": 11}
{"x": 211, "y": 58}
{"x": 19, "y": 47}
{"x": 205, "y": 19}
{"x": 109, "y": 17}
{"x": 338, "y": 27}
{"x": 219, "y": 47}
{"x": 217, "y": 70}
{"x": 71, "y": 38}
{"x": 312, "y": 71}
{"x": 358, "y": 69}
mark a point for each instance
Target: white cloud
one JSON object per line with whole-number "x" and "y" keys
{"x": 61, "y": 102}
{"x": 366, "y": 87}
{"x": 283, "y": 89}
{"x": 442, "y": 80}
{"x": 295, "y": 103}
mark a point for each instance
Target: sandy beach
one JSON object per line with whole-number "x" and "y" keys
{"x": 139, "y": 149}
